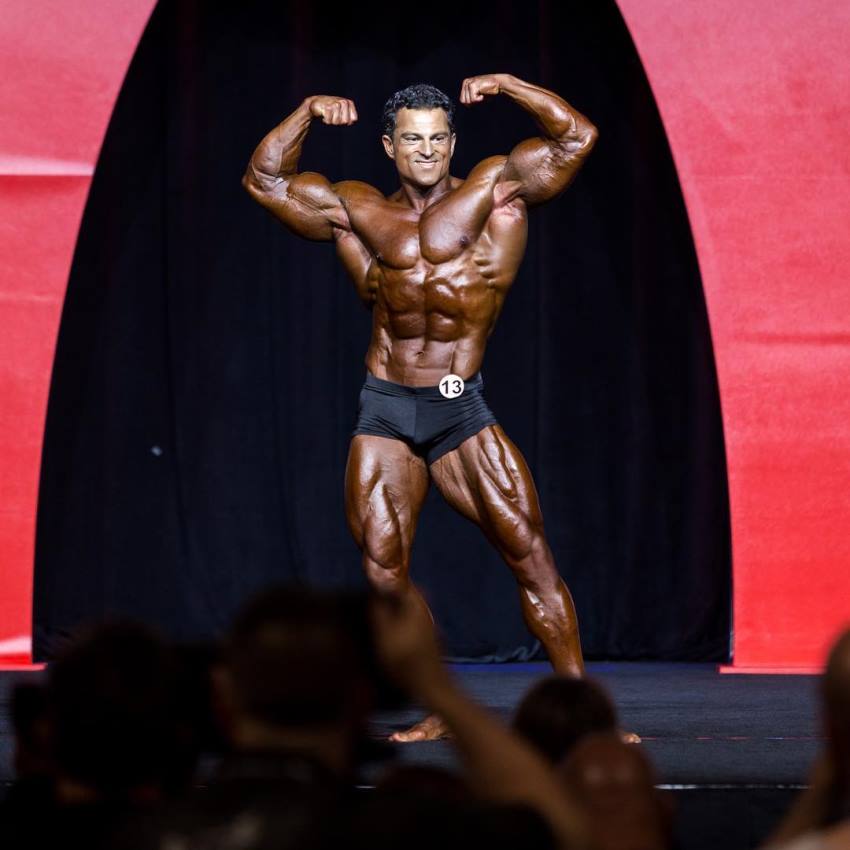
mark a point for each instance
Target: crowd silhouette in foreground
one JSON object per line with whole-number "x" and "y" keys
{"x": 264, "y": 742}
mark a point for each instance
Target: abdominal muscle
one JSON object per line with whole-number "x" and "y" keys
{"x": 420, "y": 362}
{"x": 433, "y": 319}
{"x": 418, "y": 347}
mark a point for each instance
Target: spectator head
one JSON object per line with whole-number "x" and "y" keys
{"x": 560, "y": 710}
{"x": 614, "y": 783}
{"x": 836, "y": 699}
{"x": 113, "y": 719}
{"x": 295, "y": 673}
{"x": 30, "y": 723}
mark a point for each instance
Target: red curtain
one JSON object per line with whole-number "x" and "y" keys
{"x": 751, "y": 95}
{"x": 62, "y": 65}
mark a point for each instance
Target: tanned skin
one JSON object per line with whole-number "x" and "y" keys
{"x": 434, "y": 261}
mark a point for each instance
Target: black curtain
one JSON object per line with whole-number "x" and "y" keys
{"x": 209, "y": 363}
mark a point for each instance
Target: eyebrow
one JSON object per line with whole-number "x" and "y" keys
{"x": 420, "y": 136}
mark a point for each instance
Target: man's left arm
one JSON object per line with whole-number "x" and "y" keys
{"x": 540, "y": 168}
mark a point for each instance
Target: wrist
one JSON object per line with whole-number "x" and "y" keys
{"x": 508, "y": 83}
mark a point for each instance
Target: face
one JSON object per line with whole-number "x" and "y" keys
{"x": 421, "y": 146}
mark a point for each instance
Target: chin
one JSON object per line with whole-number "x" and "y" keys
{"x": 428, "y": 180}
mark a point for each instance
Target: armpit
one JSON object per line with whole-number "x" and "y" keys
{"x": 506, "y": 191}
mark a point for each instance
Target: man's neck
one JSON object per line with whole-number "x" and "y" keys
{"x": 422, "y": 197}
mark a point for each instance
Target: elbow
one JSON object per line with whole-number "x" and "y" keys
{"x": 255, "y": 184}
{"x": 589, "y": 135}
{"x": 247, "y": 183}
{"x": 580, "y": 139}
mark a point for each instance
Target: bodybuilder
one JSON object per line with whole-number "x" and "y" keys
{"x": 434, "y": 261}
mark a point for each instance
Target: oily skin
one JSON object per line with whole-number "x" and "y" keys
{"x": 434, "y": 262}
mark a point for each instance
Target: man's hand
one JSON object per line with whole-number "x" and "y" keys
{"x": 475, "y": 89}
{"x": 406, "y": 644}
{"x": 332, "y": 110}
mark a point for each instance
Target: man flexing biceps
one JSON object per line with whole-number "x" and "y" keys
{"x": 434, "y": 261}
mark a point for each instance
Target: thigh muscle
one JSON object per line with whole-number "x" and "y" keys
{"x": 487, "y": 480}
{"x": 385, "y": 485}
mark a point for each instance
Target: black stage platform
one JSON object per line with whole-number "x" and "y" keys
{"x": 732, "y": 748}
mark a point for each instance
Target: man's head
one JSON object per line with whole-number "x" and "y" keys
{"x": 116, "y": 724}
{"x": 836, "y": 698}
{"x": 295, "y": 666}
{"x": 559, "y": 711}
{"x": 614, "y": 784}
{"x": 419, "y": 135}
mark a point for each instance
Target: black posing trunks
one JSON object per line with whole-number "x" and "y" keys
{"x": 422, "y": 417}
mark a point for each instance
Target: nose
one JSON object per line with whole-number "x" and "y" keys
{"x": 427, "y": 147}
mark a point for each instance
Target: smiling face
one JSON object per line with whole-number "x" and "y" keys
{"x": 421, "y": 146}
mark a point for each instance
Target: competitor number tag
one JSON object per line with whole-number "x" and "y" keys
{"x": 451, "y": 386}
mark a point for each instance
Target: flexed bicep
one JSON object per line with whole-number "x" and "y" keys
{"x": 306, "y": 203}
{"x": 540, "y": 168}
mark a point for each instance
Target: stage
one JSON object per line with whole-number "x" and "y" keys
{"x": 733, "y": 750}
{"x": 699, "y": 727}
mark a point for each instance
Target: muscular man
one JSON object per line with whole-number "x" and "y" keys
{"x": 434, "y": 261}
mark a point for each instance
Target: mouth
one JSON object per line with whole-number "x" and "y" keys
{"x": 428, "y": 163}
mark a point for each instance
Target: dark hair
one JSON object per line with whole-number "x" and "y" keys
{"x": 115, "y": 718}
{"x": 559, "y": 710}
{"x": 296, "y": 657}
{"x": 420, "y": 96}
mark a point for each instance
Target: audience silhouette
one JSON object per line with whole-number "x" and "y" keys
{"x": 263, "y": 742}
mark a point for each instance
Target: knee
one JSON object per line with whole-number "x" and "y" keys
{"x": 533, "y": 564}
{"x": 385, "y": 556}
{"x": 523, "y": 540}
{"x": 385, "y": 578}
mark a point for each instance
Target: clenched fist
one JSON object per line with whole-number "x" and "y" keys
{"x": 333, "y": 110}
{"x": 475, "y": 89}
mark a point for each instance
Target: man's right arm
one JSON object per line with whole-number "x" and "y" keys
{"x": 499, "y": 766}
{"x": 306, "y": 203}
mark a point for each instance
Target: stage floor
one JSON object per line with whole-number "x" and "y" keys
{"x": 732, "y": 749}
{"x": 700, "y": 728}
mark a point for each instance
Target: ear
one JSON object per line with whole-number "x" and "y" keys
{"x": 388, "y": 146}
{"x": 452, "y": 148}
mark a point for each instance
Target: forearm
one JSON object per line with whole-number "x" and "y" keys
{"x": 278, "y": 153}
{"x": 556, "y": 119}
{"x": 501, "y": 766}
{"x": 811, "y": 809}
{"x": 808, "y": 812}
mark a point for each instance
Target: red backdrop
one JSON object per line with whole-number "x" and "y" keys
{"x": 61, "y": 66}
{"x": 752, "y": 96}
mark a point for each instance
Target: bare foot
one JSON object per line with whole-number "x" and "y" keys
{"x": 629, "y": 737}
{"x": 432, "y": 728}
